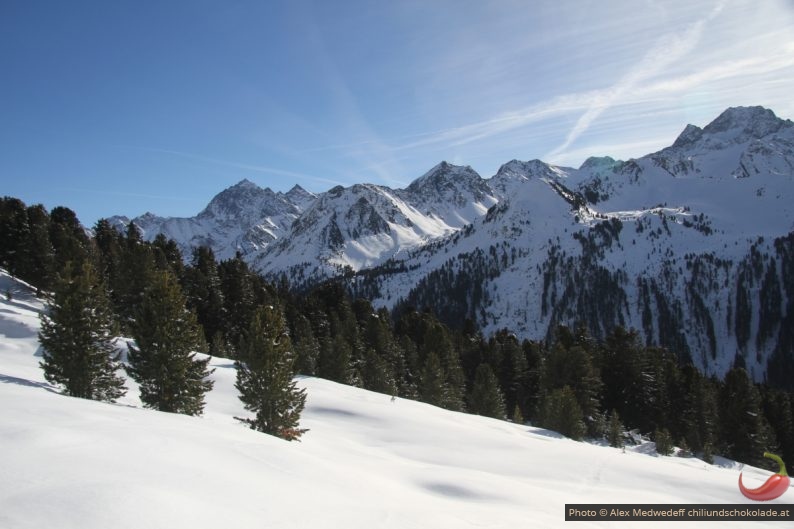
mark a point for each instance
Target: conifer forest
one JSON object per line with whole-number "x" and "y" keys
{"x": 103, "y": 283}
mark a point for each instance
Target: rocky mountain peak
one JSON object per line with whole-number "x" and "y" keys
{"x": 511, "y": 175}
{"x": 245, "y": 200}
{"x": 245, "y": 184}
{"x": 300, "y": 197}
{"x": 688, "y": 136}
{"x": 445, "y": 175}
{"x": 739, "y": 124}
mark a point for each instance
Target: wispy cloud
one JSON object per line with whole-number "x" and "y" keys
{"x": 667, "y": 51}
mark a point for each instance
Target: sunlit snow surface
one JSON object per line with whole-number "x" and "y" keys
{"x": 366, "y": 462}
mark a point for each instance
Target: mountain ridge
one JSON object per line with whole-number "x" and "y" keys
{"x": 665, "y": 243}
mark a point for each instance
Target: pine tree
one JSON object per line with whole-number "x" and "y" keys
{"x": 37, "y": 256}
{"x": 238, "y": 292}
{"x": 627, "y": 382}
{"x": 485, "y": 398}
{"x": 571, "y": 364}
{"x": 68, "y": 237}
{"x": 76, "y": 336}
{"x": 307, "y": 348}
{"x": 168, "y": 256}
{"x": 615, "y": 430}
{"x": 745, "y": 433}
{"x": 432, "y": 386}
{"x": 203, "y": 291}
{"x": 513, "y": 369}
{"x": 664, "y": 442}
{"x": 561, "y": 412}
{"x": 699, "y": 416}
{"x": 134, "y": 274}
{"x": 162, "y": 361}
{"x": 436, "y": 338}
{"x": 376, "y": 373}
{"x": 264, "y": 376}
{"x": 517, "y": 417}
{"x": 778, "y": 411}
{"x": 14, "y": 232}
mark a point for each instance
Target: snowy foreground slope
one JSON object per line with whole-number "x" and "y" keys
{"x": 366, "y": 462}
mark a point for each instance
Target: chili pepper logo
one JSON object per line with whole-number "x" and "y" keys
{"x": 774, "y": 487}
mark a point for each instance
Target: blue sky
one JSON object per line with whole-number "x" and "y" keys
{"x": 122, "y": 107}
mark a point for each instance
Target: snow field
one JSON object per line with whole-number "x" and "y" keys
{"x": 367, "y": 461}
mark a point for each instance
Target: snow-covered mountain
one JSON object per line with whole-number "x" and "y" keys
{"x": 243, "y": 218}
{"x": 355, "y": 228}
{"x": 367, "y": 460}
{"x": 691, "y": 245}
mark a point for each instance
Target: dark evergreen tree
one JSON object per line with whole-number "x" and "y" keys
{"x": 36, "y": 254}
{"x": 699, "y": 417}
{"x": 307, "y": 348}
{"x": 376, "y": 374}
{"x": 432, "y": 381}
{"x": 485, "y": 397}
{"x": 517, "y": 417}
{"x": 202, "y": 285}
{"x": 615, "y": 430}
{"x": 570, "y": 363}
{"x": 134, "y": 274}
{"x": 167, "y": 256}
{"x": 108, "y": 241}
{"x": 240, "y": 298}
{"x": 561, "y": 412}
{"x": 745, "y": 434}
{"x": 664, "y": 442}
{"x": 221, "y": 347}
{"x": 14, "y": 232}
{"x": 163, "y": 361}
{"x": 777, "y": 406}
{"x": 514, "y": 370}
{"x": 265, "y": 376}
{"x": 68, "y": 238}
{"x": 531, "y": 386}
{"x": 436, "y": 339}
{"x": 334, "y": 363}
{"x": 384, "y": 362}
{"x": 628, "y": 386}
{"x": 409, "y": 385}
{"x": 77, "y": 337}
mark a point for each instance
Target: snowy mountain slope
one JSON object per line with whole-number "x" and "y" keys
{"x": 452, "y": 194}
{"x": 690, "y": 245}
{"x": 676, "y": 244}
{"x": 362, "y": 226}
{"x": 367, "y": 461}
{"x": 737, "y": 171}
{"x": 243, "y": 218}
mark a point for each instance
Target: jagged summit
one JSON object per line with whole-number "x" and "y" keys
{"x": 245, "y": 184}
{"x": 740, "y": 124}
{"x": 442, "y": 175}
{"x": 236, "y": 200}
{"x": 527, "y": 169}
{"x": 662, "y": 243}
{"x": 300, "y": 197}
{"x": 688, "y": 136}
{"x": 514, "y": 173}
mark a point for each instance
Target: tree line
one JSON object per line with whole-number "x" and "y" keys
{"x": 571, "y": 382}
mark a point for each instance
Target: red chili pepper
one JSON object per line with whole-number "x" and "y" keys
{"x": 774, "y": 487}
